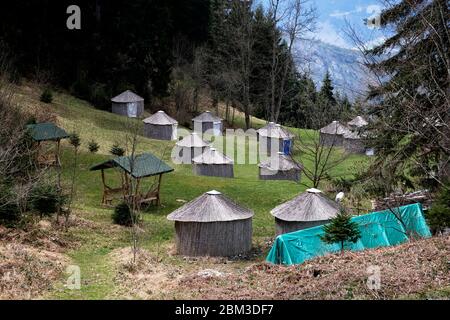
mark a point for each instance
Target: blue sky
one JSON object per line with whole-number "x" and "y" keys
{"x": 335, "y": 15}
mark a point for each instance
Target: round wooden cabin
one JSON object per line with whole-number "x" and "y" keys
{"x": 353, "y": 143}
{"x": 128, "y": 104}
{"x": 212, "y": 225}
{"x": 213, "y": 163}
{"x": 160, "y": 126}
{"x": 190, "y": 147}
{"x": 280, "y": 167}
{"x": 333, "y": 134}
{"x": 207, "y": 123}
{"x": 309, "y": 209}
{"x": 273, "y": 138}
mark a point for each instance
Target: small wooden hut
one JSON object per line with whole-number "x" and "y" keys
{"x": 207, "y": 123}
{"x": 128, "y": 104}
{"x": 357, "y": 122}
{"x": 212, "y": 225}
{"x": 280, "y": 167}
{"x": 273, "y": 138}
{"x": 144, "y": 165}
{"x": 213, "y": 163}
{"x": 333, "y": 134}
{"x": 160, "y": 126}
{"x": 42, "y": 133}
{"x": 309, "y": 209}
{"x": 190, "y": 147}
{"x": 353, "y": 143}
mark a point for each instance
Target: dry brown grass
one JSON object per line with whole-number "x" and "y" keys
{"x": 27, "y": 272}
{"x": 407, "y": 270}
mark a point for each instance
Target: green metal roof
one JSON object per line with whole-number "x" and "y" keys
{"x": 47, "y": 132}
{"x": 144, "y": 165}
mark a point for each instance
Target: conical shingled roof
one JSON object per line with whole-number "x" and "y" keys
{"x": 127, "y": 96}
{"x": 335, "y": 128}
{"x": 358, "y": 122}
{"x": 273, "y": 130}
{"x": 192, "y": 141}
{"x": 211, "y": 206}
{"x": 212, "y": 156}
{"x": 281, "y": 163}
{"x": 160, "y": 118}
{"x": 310, "y": 205}
{"x": 207, "y": 116}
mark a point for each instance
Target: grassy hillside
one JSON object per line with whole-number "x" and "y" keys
{"x": 93, "y": 256}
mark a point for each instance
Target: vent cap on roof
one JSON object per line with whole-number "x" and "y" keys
{"x": 214, "y": 192}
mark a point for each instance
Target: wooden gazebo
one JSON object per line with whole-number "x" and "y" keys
{"x": 47, "y": 132}
{"x": 143, "y": 166}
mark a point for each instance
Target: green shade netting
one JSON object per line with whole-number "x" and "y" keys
{"x": 377, "y": 229}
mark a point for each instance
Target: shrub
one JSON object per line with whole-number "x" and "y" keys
{"x": 340, "y": 230}
{"x": 45, "y": 199}
{"x": 74, "y": 140}
{"x": 117, "y": 151}
{"x": 93, "y": 146}
{"x": 438, "y": 216}
{"x": 47, "y": 96}
{"x": 122, "y": 215}
{"x": 9, "y": 211}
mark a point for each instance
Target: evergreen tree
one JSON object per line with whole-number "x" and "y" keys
{"x": 413, "y": 94}
{"x": 341, "y": 230}
{"x": 326, "y": 91}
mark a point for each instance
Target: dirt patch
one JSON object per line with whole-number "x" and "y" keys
{"x": 27, "y": 272}
{"x": 408, "y": 269}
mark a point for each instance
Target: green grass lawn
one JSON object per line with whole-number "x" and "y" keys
{"x": 181, "y": 185}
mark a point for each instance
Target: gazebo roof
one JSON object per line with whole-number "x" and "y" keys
{"x": 280, "y": 162}
{"x": 273, "y": 130}
{"x": 211, "y": 206}
{"x": 310, "y": 205}
{"x": 335, "y": 128}
{"x": 212, "y": 156}
{"x": 358, "y": 122}
{"x": 127, "y": 96}
{"x": 206, "y": 116}
{"x": 47, "y": 132}
{"x": 160, "y": 118}
{"x": 145, "y": 165}
{"x": 192, "y": 140}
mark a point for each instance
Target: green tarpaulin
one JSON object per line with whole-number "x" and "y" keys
{"x": 377, "y": 229}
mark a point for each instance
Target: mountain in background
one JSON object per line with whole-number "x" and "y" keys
{"x": 349, "y": 76}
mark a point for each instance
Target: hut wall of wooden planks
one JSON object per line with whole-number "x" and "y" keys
{"x": 160, "y": 126}
{"x": 128, "y": 104}
{"x": 333, "y": 134}
{"x": 212, "y": 225}
{"x": 213, "y": 163}
{"x": 280, "y": 167}
{"x": 207, "y": 123}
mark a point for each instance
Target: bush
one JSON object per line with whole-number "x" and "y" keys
{"x": 117, "y": 151}
{"x": 122, "y": 215}
{"x": 93, "y": 146}
{"x": 45, "y": 199}
{"x": 47, "y": 96}
{"x": 438, "y": 216}
{"x": 74, "y": 140}
{"x": 9, "y": 211}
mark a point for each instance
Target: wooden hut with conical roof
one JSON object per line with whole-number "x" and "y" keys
{"x": 208, "y": 123}
{"x": 190, "y": 147}
{"x": 280, "y": 167}
{"x": 212, "y": 225}
{"x": 128, "y": 104}
{"x": 309, "y": 209}
{"x": 274, "y": 136}
{"x": 357, "y": 122}
{"x": 353, "y": 143}
{"x": 333, "y": 134}
{"x": 213, "y": 163}
{"x": 160, "y": 126}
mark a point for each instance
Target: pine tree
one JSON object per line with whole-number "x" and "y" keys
{"x": 326, "y": 91}
{"x": 340, "y": 230}
{"x": 413, "y": 94}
